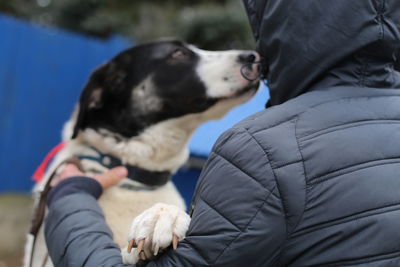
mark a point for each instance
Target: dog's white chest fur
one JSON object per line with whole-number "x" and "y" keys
{"x": 121, "y": 205}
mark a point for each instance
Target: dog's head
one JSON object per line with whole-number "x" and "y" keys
{"x": 153, "y": 82}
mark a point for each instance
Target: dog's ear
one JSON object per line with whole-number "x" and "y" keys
{"x": 91, "y": 97}
{"x": 105, "y": 78}
{"x": 108, "y": 78}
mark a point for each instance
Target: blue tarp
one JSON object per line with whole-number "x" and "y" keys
{"x": 207, "y": 134}
{"x": 42, "y": 71}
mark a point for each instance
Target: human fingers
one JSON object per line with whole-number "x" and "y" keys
{"x": 69, "y": 170}
{"x": 112, "y": 177}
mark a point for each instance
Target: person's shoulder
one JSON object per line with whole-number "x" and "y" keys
{"x": 310, "y": 111}
{"x": 308, "y": 103}
{"x": 269, "y": 118}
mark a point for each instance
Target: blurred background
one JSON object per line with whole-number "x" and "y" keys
{"x": 209, "y": 24}
{"x": 48, "y": 49}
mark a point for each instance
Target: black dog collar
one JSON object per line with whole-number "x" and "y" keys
{"x": 150, "y": 178}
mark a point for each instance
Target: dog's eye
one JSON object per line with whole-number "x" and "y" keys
{"x": 178, "y": 54}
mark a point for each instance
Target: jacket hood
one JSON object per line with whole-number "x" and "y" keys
{"x": 314, "y": 44}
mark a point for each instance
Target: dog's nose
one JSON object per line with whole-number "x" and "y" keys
{"x": 247, "y": 57}
{"x": 251, "y": 65}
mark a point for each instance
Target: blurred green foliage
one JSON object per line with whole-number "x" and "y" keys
{"x": 210, "y": 24}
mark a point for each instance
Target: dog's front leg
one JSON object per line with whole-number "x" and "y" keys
{"x": 154, "y": 230}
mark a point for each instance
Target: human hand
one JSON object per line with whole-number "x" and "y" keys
{"x": 106, "y": 179}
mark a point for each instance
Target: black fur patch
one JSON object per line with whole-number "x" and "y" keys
{"x": 106, "y": 100}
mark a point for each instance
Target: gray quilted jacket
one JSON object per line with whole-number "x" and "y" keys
{"x": 314, "y": 180}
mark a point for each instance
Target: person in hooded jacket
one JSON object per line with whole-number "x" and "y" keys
{"x": 313, "y": 180}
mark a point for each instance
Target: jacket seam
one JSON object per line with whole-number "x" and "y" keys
{"x": 300, "y": 148}
{"x": 224, "y": 140}
{"x": 361, "y": 215}
{"x": 237, "y": 167}
{"x": 266, "y": 152}
{"x": 196, "y": 194}
{"x": 321, "y": 177}
{"x": 324, "y": 131}
{"x": 374, "y": 258}
{"x": 287, "y": 164}
{"x": 283, "y": 251}
{"x": 316, "y": 105}
{"x": 340, "y": 100}
{"x": 247, "y": 225}
{"x": 193, "y": 249}
{"x": 220, "y": 214}
{"x": 263, "y": 202}
{"x": 340, "y": 172}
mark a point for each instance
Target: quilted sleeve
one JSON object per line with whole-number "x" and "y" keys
{"x": 77, "y": 235}
{"x": 238, "y": 217}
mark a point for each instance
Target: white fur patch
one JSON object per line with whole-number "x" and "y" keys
{"x": 220, "y": 72}
{"x": 144, "y": 98}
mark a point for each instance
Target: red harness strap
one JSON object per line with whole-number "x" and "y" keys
{"x": 40, "y": 171}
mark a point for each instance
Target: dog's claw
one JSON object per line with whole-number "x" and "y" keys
{"x": 131, "y": 244}
{"x": 175, "y": 241}
{"x": 156, "y": 249}
{"x": 151, "y": 240}
{"x": 142, "y": 255}
{"x": 140, "y": 245}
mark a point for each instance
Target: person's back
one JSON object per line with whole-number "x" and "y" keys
{"x": 333, "y": 150}
{"x": 332, "y": 181}
{"x": 326, "y": 151}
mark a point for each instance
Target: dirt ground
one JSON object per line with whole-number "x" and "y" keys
{"x": 15, "y": 215}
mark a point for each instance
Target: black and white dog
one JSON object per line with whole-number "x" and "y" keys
{"x": 140, "y": 109}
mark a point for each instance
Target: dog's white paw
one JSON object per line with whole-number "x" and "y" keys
{"x": 154, "y": 230}
{"x": 129, "y": 258}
